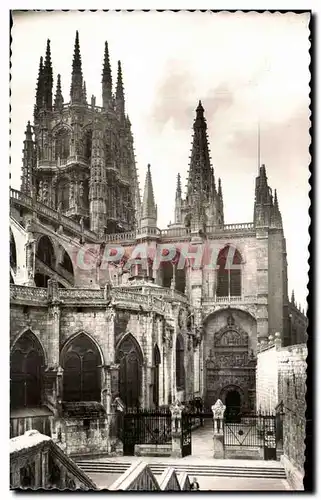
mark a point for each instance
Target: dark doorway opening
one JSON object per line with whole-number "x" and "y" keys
{"x": 233, "y": 406}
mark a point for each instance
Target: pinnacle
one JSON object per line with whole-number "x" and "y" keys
{"x": 76, "y": 89}
{"x": 119, "y": 88}
{"x": 179, "y": 186}
{"x": 28, "y": 132}
{"x": 59, "y": 100}
{"x": 148, "y": 206}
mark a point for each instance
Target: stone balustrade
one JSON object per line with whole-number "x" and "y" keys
{"x": 170, "y": 233}
{"x": 93, "y": 296}
{"x": 243, "y": 299}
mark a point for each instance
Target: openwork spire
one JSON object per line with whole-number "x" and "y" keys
{"x": 48, "y": 78}
{"x": 199, "y": 179}
{"x": 59, "y": 100}
{"x": 76, "y": 89}
{"x": 106, "y": 79}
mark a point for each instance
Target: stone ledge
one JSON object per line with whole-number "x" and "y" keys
{"x": 153, "y": 450}
{"x": 294, "y": 476}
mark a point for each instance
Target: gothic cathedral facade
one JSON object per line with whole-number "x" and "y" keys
{"x": 106, "y": 309}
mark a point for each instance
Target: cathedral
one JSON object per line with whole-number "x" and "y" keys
{"x": 107, "y": 310}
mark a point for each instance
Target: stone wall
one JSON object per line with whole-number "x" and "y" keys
{"x": 292, "y": 390}
{"x": 267, "y": 396}
{"x": 281, "y": 378}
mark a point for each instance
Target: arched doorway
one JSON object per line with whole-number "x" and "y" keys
{"x": 26, "y": 372}
{"x": 130, "y": 358}
{"x": 156, "y": 362}
{"x": 81, "y": 360}
{"x": 233, "y": 405}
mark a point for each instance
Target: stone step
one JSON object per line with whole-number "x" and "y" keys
{"x": 191, "y": 469}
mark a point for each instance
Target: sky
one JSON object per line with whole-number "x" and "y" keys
{"x": 247, "y": 68}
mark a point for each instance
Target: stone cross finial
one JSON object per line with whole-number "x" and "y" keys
{"x": 176, "y": 408}
{"x": 218, "y": 409}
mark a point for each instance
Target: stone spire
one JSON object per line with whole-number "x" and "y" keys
{"x": 76, "y": 89}
{"x": 48, "y": 78}
{"x": 199, "y": 177}
{"x": 276, "y": 218}
{"x": 28, "y": 162}
{"x": 178, "y": 201}
{"x": 120, "y": 99}
{"x": 39, "y": 89}
{"x": 292, "y": 297}
{"x": 149, "y": 209}
{"x": 107, "y": 84}
{"x": 84, "y": 93}
{"x": 59, "y": 100}
{"x": 220, "y": 200}
{"x": 263, "y": 205}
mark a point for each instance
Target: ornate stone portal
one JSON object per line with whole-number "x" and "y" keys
{"x": 230, "y": 368}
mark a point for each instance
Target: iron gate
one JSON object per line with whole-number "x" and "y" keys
{"x": 252, "y": 431}
{"x": 145, "y": 427}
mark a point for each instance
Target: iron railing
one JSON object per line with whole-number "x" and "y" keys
{"x": 147, "y": 426}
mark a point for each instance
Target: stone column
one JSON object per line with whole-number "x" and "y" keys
{"x": 218, "y": 435}
{"x": 30, "y": 249}
{"x": 176, "y": 411}
{"x": 54, "y": 316}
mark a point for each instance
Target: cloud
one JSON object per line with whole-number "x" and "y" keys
{"x": 177, "y": 96}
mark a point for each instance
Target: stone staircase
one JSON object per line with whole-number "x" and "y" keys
{"x": 228, "y": 470}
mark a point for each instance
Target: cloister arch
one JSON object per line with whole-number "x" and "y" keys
{"x": 27, "y": 361}
{"x": 81, "y": 360}
{"x": 130, "y": 357}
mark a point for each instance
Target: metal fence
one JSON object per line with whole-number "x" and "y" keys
{"x": 146, "y": 426}
{"x": 251, "y": 431}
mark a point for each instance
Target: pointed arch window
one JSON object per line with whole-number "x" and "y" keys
{"x": 62, "y": 145}
{"x": 130, "y": 358}
{"x": 26, "y": 370}
{"x": 81, "y": 361}
{"x": 180, "y": 370}
{"x": 229, "y": 277}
